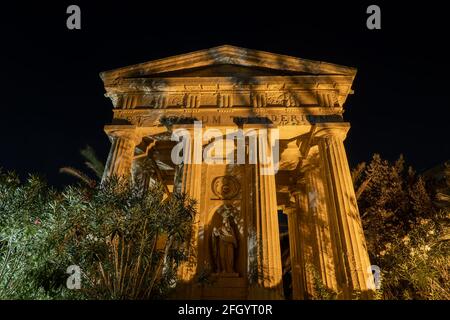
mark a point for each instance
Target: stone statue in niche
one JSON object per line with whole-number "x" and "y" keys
{"x": 224, "y": 243}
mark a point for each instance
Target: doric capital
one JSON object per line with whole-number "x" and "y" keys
{"x": 326, "y": 130}
{"x": 121, "y": 131}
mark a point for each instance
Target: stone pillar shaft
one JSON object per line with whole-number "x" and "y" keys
{"x": 191, "y": 185}
{"x": 121, "y": 154}
{"x": 353, "y": 266}
{"x": 141, "y": 170}
{"x": 320, "y": 229}
{"x": 268, "y": 252}
{"x": 300, "y": 249}
{"x": 311, "y": 246}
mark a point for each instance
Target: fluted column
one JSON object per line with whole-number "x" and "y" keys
{"x": 121, "y": 154}
{"x": 267, "y": 283}
{"x": 300, "y": 248}
{"x": 144, "y": 167}
{"x": 319, "y": 222}
{"x": 142, "y": 171}
{"x": 350, "y": 250}
{"x": 190, "y": 174}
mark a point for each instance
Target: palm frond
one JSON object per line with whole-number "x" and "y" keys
{"x": 78, "y": 174}
{"x": 92, "y": 161}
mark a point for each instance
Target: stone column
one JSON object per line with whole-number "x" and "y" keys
{"x": 310, "y": 244}
{"x": 141, "y": 173}
{"x": 120, "y": 159}
{"x": 352, "y": 260}
{"x": 190, "y": 174}
{"x": 144, "y": 167}
{"x": 319, "y": 222}
{"x": 267, "y": 282}
{"x": 299, "y": 247}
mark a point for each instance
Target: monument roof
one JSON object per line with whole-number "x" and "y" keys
{"x": 227, "y": 60}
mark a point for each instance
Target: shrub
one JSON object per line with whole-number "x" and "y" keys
{"x": 127, "y": 243}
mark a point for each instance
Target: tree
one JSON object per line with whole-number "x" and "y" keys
{"x": 404, "y": 230}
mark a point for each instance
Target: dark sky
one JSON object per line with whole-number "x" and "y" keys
{"x": 52, "y": 101}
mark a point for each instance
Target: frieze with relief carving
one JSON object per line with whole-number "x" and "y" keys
{"x": 235, "y": 97}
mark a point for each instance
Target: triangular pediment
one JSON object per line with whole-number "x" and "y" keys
{"x": 226, "y": 61}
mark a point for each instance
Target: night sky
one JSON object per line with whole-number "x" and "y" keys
{"x": 53, "y": 102}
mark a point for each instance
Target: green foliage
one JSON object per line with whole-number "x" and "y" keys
{"x": 321, "y": 291}
{"x": 404, "y": 230}
{"x": 127, "y": 243}
{"x": 24, "y": 226}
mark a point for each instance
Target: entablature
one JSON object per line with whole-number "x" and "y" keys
{"x": 293, "y": 91}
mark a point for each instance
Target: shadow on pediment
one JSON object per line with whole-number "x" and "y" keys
{"x": 227, "y": 70}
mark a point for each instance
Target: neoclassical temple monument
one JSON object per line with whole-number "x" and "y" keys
{"x": 235, "y": 249}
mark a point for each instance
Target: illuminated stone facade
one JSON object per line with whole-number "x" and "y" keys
{"x": 236, "y": 238}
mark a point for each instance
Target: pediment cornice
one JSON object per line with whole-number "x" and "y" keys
{"x": 227, "y": 55}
